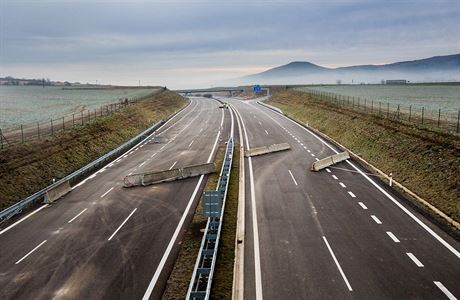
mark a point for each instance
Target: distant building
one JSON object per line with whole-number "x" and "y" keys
{"x": 396, "y": 81}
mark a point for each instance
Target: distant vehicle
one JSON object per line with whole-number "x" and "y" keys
{"x": 223, "y": 105}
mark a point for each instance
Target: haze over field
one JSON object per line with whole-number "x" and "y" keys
{"x": 202, "y": 43}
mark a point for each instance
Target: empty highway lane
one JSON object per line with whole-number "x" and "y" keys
{"x": 333, "y": 234}
{"x": 103, "y": 241}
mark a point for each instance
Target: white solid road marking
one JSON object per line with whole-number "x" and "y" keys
{"x": 71, "y": 220}
{"x": 415, "y": 259}
{"x": 445, "y": 290}
{"x": 24, "y": 257}
{"x": 92, "y": 176}
{"x": 378, "y": 187}
{"x": 119, "y": 227}
{"x": 173, "y": 165}
{"x": 328, "y": 170}
{"x": 266, "y": 132}
{"x": 351, "y": 194}
{"x": 376, "y": 219}
{"x": 26, "y": 217}
{"x": 292, "y": 176}
{"x": 165, "y": 256}
{"x": 141, "y": 164}
{"x": 342, "y": 185}
{"x": 393, "y": 237}
{"x": 362, "y": 205}
{"x": 191, "y": 143}
{"x": 103, "y": 195}
{"x": 335, "y": 177}
{"x": 338, "y": 265}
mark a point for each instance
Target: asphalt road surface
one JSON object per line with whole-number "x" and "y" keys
{"x": 103, "y": 241}
{"x": 333, "y": 234}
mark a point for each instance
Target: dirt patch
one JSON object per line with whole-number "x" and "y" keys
{"x": 25, "y": 169}
{"x": 425, "y": 161}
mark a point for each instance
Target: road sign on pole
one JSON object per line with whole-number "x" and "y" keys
{"x": 256, "y": 88}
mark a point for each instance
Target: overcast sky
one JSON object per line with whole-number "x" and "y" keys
{"x": 199, "y": 43}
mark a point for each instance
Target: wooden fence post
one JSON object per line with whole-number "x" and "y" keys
{"x": 22, "y": 134}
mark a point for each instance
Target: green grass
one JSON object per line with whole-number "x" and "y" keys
{"x": 425, "y": 161}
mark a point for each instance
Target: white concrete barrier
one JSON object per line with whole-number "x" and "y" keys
{"x": 154, "y": 177}
{"x": 330, "y": 160}
{"x": 267, "y": 149}
{"x": 57, "y": 192}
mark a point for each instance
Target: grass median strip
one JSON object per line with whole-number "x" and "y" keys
{"x": 179, "y": 279}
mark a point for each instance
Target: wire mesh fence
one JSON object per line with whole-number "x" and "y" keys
{"x": 24, "y": 133}
{"x": 446, "y": 120}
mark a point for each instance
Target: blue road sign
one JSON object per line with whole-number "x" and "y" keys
{"x": 256, "y": 88}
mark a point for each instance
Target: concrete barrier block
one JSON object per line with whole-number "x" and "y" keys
{"x": 154, "y": 177}
{"x": 329, "y": 161}
{"x": 267, "y": 149}
{"x": 57, "y": 192}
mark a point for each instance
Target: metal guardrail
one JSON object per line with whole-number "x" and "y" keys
{"x": 201, "y": 281}
{"x": 17, "y": 208}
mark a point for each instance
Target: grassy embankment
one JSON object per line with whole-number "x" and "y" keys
{"x": 25, "y": 169}
{"x": 179, "y": 279}
{"x": 425, "y": 161}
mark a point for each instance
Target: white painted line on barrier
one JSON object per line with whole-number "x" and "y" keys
{"x": 445, "y": 290}
{"x": 351, "y": 194}
{"x": 103, "y": 195}
{"x": 342, "y": 185}
{"x": 23, "y": 219}
{"x": 338, "y": 265}
{"x": 71, "y": 220}
{"x": 363, "y": 206}
{"x": 25, "y": 256}
{"x": 119, "y": 227}
{"x": 393, "y": 237}
{"x": 335, "y": 177}
{"x": 173, "y": 165}
{"x": 376, "y": 219}
{"x": 415, "y": 260}
{"x": 292, "y": 176}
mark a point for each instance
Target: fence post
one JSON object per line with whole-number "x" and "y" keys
{"x": 410, "y": 111}
{"x": 388, "y": 109}
{"x": 372, "y": 106}
{"x": 73, "y": 120}
{"x": 423, "y": 112}
{"x": 63, "y": 126}
{"x": 82, "y": 119}
{"x": 95, "y": 114}
{"x": 1, "y": 134}
{"x": 439, "y": 117}
{"x": 458, "y": 122}
{"x": 398, "y": 111}
{"x": 38, "y": 130}
{"x": 22, "y": 134}
{"x": 380, "y": 107}
{"x": 89, "y": 116}
{"x": 52, "y": 129}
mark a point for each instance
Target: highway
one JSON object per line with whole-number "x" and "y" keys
{"x": 333, "y": 234}
{"x": 103, "y": 241}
